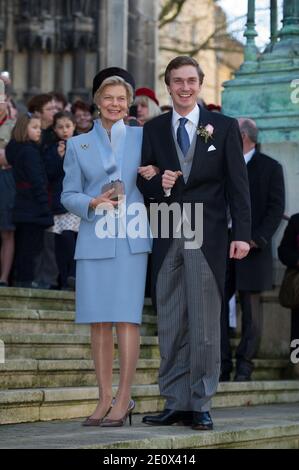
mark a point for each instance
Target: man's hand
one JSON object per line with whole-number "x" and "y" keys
{"x": 148, "y": 171}
{"x": 239, "y": 250}
{"x": 169, "y": 179}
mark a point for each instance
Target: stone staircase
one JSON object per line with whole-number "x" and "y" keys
{"x": 48, "y": 373}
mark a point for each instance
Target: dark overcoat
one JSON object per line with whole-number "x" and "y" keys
{"x": 31, "y": 201}
{"x": 267, "y": 194}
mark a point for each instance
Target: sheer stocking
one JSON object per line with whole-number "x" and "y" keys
{"x": 128, "y": 338}
{"x": 102, "y": 352}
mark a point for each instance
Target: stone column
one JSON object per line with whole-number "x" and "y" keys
{"x": 9, "y": 37}
{"x": 79, "y": 87}
{"x": 250, "y": 51}
{"x": 34, "y": 71}
{"x": 273, "y": 22}
{"x": 290, "y": 19}
{"x": 143, "y": 41}
{"x": 113, "y": 33}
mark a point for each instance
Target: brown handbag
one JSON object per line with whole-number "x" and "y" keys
{"x": 289, "y": 289}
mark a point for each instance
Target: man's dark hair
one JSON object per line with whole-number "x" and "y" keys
{"x": 64, "y": 114}
{"x": 180, "y": 61}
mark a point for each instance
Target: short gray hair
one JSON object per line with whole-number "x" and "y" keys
{"x": 115, "y": 80}
{"x": 249, "y": 127}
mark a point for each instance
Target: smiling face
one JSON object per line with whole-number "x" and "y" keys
{"x": 113, "y": 104}
{"x": 184, "y": 87}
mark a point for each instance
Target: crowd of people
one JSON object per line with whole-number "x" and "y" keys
{"x": 56, "y": 159}
{"x": 38, "y": 235}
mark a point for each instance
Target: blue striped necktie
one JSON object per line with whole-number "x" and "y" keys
{"x": 183, "y": 137}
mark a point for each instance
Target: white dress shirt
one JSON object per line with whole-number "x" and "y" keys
{"x": 248, "y": 156}
{"x": 191, "y": 125}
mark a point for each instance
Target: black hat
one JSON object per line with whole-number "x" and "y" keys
{"x": 110, "y": 72}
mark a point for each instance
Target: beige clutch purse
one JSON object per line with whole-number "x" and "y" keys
{"x": 119, "y": 189}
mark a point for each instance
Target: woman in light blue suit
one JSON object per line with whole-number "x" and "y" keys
{"x": 111, "y": 269}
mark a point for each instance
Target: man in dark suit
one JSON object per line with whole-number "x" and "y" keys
{"x": 199, "y": 155}
{"x": 253, "y": 275}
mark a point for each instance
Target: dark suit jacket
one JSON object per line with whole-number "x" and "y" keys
{"x": 214, "y": 175}
{"x": 267, "y": 196}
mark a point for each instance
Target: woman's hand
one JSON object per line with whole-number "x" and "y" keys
{"x": 104, "y": 199}
{"x": 148, "y": 171}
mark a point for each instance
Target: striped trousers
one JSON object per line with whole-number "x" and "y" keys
{"x": 188, "y": 307}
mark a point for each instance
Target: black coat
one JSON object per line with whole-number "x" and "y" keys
{"x": 213, "y": 175}
{"x": 31, "y": 203}
{"x": 288, "y": 250}
{"x": 267, "y": 194}
{"x": 55, "y": 174}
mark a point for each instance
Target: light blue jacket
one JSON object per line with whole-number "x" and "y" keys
{"x": 91, "y": 161}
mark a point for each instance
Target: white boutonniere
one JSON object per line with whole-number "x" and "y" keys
{"x": 206, "y": 132}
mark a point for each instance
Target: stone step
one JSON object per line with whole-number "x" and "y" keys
{"x": 46, "y": 404}
{"x": 34, "y": 373}
{"x": 62, "y": 346}
{"x": 35, "y": 321}
{"x": 40, "y": 299}
{"x": 13, "y": 297}
{"x": 256, "y": 427}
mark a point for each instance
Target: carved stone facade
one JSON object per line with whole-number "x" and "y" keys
{"x": 59, "y": 45}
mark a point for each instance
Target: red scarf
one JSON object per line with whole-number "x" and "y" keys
{"x": 3, "y": 120}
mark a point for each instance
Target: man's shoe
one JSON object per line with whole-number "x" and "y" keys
{"x": 202, "y": 421}
{"x": 169, "y": 417}
{"x": 242, "y": 378}
{"x": 224, "y": 377}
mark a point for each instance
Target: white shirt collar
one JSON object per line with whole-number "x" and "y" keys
{"x": 248, "y": 156}
{"x": 193, "y": 116}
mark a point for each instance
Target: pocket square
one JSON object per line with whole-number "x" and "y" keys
{"x": 211, "y": 148}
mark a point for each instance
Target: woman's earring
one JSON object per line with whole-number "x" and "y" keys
{"x": 99, "y": 111}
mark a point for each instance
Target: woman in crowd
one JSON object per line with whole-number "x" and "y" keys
{"x": 110, "y": 270}
{"x": 147, "y": 105}
{"x": 83, "y": 117}
{"x": 66, "y": 225}
{"x": 31, "y": 212}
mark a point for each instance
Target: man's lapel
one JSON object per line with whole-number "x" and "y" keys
{"x": 168, "y": 145}
{"x": 201, "y": 147}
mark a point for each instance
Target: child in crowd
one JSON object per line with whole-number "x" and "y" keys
{"x": 66, "y": 225}
{"x": 31, "y": 212}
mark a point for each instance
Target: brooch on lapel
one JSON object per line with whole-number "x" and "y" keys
{"x": 84, "y": 146}
{"x": 205, "y": 132}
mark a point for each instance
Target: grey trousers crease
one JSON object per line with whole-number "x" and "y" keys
{"x": 188, "y": 307}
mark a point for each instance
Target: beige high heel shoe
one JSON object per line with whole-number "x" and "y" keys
{"x": 113, "y": 423}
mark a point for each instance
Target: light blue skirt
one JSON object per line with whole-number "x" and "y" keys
{"x": 111, "y": 290}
